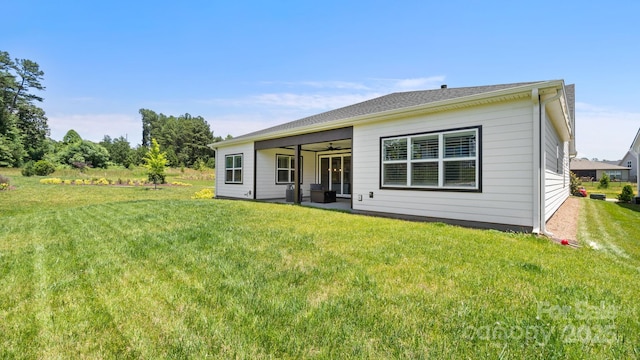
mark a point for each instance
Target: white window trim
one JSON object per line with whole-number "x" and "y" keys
{"x": 441, "y": 160}
{"x": 290, "y": 169}
{"x": 233, "y": 168}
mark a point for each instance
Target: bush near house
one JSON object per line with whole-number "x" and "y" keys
{"x": 627, "y": 194}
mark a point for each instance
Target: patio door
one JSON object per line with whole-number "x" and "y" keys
{"x": 335, "y": 174}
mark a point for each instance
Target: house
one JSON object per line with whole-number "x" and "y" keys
{"x": 593, "y": 170}
{"x": 630, "y": 160}
{"x": 488, "y": 156}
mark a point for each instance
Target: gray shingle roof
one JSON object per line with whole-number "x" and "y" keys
{"x": 384, "y": 103}
{"x": 571, "y": 99}
{"x": 583, "y": 164}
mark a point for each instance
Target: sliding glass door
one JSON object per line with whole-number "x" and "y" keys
{"x": 335, "y": 174}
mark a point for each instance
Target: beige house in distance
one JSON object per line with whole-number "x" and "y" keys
{"x": 584, "y": 168}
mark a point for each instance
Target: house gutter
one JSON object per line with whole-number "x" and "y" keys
{"x": 540, "y": 160}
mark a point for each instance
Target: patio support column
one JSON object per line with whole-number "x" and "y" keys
{"x": 296, "y": 176}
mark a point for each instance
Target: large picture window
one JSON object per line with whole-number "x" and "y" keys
{"x": 439, "y": 160}
{"x": 233, "y": 169}
{"x": 285, "y": 165}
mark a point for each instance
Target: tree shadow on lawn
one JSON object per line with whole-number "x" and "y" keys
{"x": 633, "y": 207}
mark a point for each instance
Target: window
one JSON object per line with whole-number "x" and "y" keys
{"x": 442, "y": 160}
{"x": 285, "y": 165}
{"x": 233, "y": 169}
{"x": 614, "y": 175}
{"x": 629, "y": 164}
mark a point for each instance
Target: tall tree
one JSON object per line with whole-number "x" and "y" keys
{"x": 120, "y": 151}
{"x": 149, "y": 122}
{"x": 23, "y": 125}
{"x": 32, "y": 124}
{"x": 29, "y": 77}
{"x": 184, "y": 138}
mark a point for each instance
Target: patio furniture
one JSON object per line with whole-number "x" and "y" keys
{"x": 320, "y": 195}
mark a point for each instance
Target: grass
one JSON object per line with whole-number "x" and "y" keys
{"x": 124, "y": 272}
{"x": 612, "y": 192}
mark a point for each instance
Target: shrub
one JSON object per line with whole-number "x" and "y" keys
{"x": 575, "y": 184}
{"x": 203, "y": 194}
{"x": 27, "y": 169}
{"x": 102, "y": 181}
{"x": 51, "y": 181}
{"x": 604, "y": 181}
{"x": 178, "y": 183}
{"x": 43, "y": 168}
{"x": 199, "y": 164}
{"x": 4, "y": 183}
{"x": 627, "y": 194}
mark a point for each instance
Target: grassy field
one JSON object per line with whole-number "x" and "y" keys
{"x": 126, "y": 272}
{"x": 612, "y": 192}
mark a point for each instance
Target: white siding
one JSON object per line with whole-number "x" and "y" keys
{"x": 507, "y": 152}
{"x": 633, "y": 172}
{"x": 266, "y": 187}
{"x": 557, "y": 179}
{"x": 244, "y": 190}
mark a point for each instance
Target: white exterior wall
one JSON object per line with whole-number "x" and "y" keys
{"x": 244, "y": 190}
{"x": 557, "y": 178}
{"x": 507, "y": 169}
{"x": 266, "y": 187}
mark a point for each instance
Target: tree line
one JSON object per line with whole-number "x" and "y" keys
{"x": 24, "y": 132}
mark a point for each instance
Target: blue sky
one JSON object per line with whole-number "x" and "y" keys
{"x": 247, "y": 65}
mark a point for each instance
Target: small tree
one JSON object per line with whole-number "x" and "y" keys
{"x": 575, "y": 184}
{"x": 604, "y": 181}
{"x": 627, "y": 194}
{"x": 155, "y": 162}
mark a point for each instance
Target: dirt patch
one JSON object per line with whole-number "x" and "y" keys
{"x": 564, "y": 223}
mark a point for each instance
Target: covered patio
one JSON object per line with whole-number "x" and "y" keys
{"x": 318, "y": 164}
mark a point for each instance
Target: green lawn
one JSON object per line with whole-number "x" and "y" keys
{"x": 126, "y": 272}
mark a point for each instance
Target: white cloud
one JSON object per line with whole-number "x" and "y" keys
{"x": 93, "y": 127}
{"x": 240, "y": 124}
{"x": 328, "y": 84}
{"x": 418, "y": 83}
{"x": 312, "y": 101}
{"x": 604, "y": 133}
{"x": 240, "y": 115}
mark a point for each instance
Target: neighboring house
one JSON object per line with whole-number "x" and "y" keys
{"x": 630, "y": 160}
{"x": 487, "y": 156}
{"x": 584, "y": 168}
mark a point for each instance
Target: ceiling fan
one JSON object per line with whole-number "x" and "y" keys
{"x": 331, "y": 147}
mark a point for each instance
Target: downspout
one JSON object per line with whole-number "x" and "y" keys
{"x": 543, "y": 160}
{"x": 536, "y": 161}
{"x": 215, "y": 181}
